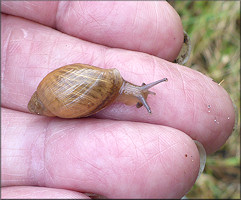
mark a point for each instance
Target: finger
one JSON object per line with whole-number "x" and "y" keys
{"x": 110, "y": 158}
{"x": 30, "y": 192}
{"x": 150, "y": 27}
{"x": 189, "y": 101}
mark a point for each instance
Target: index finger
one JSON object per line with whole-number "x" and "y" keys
{"x": 151, "y": 27}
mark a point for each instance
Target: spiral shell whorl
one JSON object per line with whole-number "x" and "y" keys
{"x": 79, "y": 90}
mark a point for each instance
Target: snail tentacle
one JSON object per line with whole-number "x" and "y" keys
{"x": 143, "y": 101}
{"x": 148, "y": 86}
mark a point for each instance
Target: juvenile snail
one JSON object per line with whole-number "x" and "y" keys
{"x": 80, "y": 90}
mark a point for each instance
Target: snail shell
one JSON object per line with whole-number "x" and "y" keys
{"x": 80, "y": 90}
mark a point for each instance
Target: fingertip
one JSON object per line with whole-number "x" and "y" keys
{"x": 173, "y": 33}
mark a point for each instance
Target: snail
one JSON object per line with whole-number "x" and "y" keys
{"x": 80, "y": 90}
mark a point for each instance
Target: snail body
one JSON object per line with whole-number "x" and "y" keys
{"x": 80, "y": 90}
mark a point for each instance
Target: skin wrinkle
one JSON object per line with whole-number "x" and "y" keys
{"x": 155, "y": 32}
{"x": 116, "y": 143}
{"x": 51, "y": 178}
{"x": 116, "y": 154}
{"x": 15, "y": 45}
{"x": 4, "y": 3}
{"x": 184, "y": 89}
{"x": 93, "y": 132}
{"x": 57, "y": 11}
{"x": 113, "y": 29}
{"x": 147, "y": 159}
{"x": 182, "y": 80}
{"x": 4, "y": 132}
{"x": 155, "y": 65}
{"x": 69, "y": 56}
{"x": 151, "y": 158}
{"x": 29, "y": 5}
{"x": 84, "y": 15}
{"x": 51, "y": 139}
{"x": 137, "y": 149}
{"x": 53, "y": 47}
{"x": 124, "y": 149}
{"x": 96, "y": 168}
{"x": 134, "y": 26}
{"x": 145, "y": 186}
{"x": 27, "y": 63}
{"x": 50, "y": 181}
{"x": 194, "y": 114}
{"x": 69, "y": 11}
{"x": 206, "y": 80}
{"x": 89, "y": 14}
{"x": 13, "y": 174}
{"x": 68, "y": 178}
{"x": 34, "y": 158}
{"x": 78, "y": 15}
{"x": 5, "y": 52}
{"x": 32, "y": 194}
{"x": 15, "y": 181}
{"x": 94, "y": 174}
{"x": 60, "y": 8}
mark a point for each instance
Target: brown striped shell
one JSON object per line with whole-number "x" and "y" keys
{"x": 80, "y": 90}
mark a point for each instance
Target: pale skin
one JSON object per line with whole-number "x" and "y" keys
{"x": 137, "y": 155}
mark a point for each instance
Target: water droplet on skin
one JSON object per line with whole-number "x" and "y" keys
{"x": 209, "y": 106}
{"x": 228, "y": 118}
{"x": 216, "y": 121}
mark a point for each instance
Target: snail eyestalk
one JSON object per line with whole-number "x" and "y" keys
{"x": 150, "y": 85}
{"x": 131, "y": 94}
{"x": 143, "y": 101}
{"x": 145, "y": 93}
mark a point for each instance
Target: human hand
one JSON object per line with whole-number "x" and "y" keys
{"x": 121, "y": 152}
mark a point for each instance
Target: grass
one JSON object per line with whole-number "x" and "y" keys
{"x": 214, "y": 29}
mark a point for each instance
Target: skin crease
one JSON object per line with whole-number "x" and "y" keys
{"x": 117, "y": 159}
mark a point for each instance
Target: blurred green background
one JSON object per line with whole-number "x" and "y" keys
{"x": 214, "y": 30}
